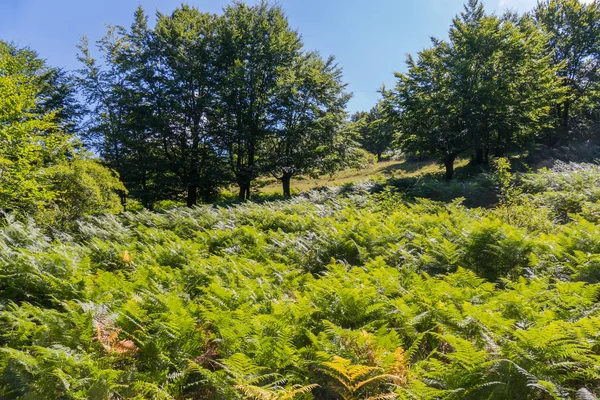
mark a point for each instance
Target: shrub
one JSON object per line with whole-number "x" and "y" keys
{"x": 497, "y": 250}
{"x": 80, "y": 188}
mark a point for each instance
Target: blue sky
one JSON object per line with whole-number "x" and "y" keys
{"x": 370, "y": 38}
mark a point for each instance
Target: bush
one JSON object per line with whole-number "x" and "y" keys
{"x": 495, "y": 250}
{"x": 566, "y": 189}
{"x": 80, "y": 188}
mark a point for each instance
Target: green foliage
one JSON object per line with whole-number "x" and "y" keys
{"x": 505, "y": 180}
{"x": 42, "y": 170}
{"x": 312, "y": 140}
{"x": 566, "y": 189}
{"x": 199, "y": 102}
{"x": 82, "y": 187}
{"x": 335, "y": 294}
{"x": 376, "y": 131}
{"x": 29, "y": 140}
{"x": 489, "y": 88}
{"x": 572, "y": 29}
{"x": 55, "y": 88}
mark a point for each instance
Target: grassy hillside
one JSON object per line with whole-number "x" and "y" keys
{"x": 337, "y": 294}
{"x": 376, "y": 171}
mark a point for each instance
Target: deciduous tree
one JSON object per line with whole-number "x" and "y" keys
{"x": 311, "y": 114}
{"x": 257, "y": 48}
{"x": 43, "y": 170}
{"x": 573, "y": 33}
{"x": 376, "y": 133}
{"x": 489, "y": 88}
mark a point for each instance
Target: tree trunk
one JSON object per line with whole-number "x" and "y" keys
{"x": 378, "y": 156}
{"x": 482, "y": 156}
{"x": 449, "y": 164}
{"x": 206, "y": 194}
{"x": 192, "y": 195}
{"x": 565, "y": 121}
{"x": 285, "y": 180}
{"x": 251, "y": 172}
{"x": 244, "y": 193}
{"x": 192, "y": 192}
{"x": 479, "y": 156}
{"x": 145, "y": 198}
{"x": 123, "y": 198}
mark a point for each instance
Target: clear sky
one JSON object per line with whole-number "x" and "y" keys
{"x": 370, "y": 38}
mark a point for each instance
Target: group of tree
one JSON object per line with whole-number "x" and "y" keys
{"x": 572, "y": 29}
{"x": 201, "y": 101}
{"x": 374, "y": 131}
{"x": 497, "y": 84}
{"x": 43, "y": 169}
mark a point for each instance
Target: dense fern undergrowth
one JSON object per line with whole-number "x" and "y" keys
{"x": 336, "y": 294}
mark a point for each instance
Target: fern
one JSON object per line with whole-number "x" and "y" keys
{"x": 427, "y": 300}
{"x": 357, "y": 381}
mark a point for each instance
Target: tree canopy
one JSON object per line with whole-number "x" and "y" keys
{"x": 489, "y": 88}
{"x": 35, "y": 146}
{"x": 572, "y": 29}
{"x": 202, "y": 101}
{"x": 376, "y": 132}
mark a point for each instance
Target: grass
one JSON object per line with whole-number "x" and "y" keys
{"x": 381, "y": 170}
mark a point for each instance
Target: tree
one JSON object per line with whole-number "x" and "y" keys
{"x": 154, "y": 102}
{"x": 256, "y": 49}
{"x": 504, "y": 80}
{"x": 311, "y": 115}
{"x": 35, "y": 147}
{"x": 119, "y": 92}
{"x": 30, "y": 136}
{"x": 490, "y": 88}
{"x": 573, "y": 33}
{"x": 427, "y": 110}
{"x": 56, "y": 90}
{"x": 201, "y": 100}
{"x": 376, "y": 132}
{"x": 185, "y": 45}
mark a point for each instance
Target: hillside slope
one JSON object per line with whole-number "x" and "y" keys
{"x": 337, "y": 294}
{"x": 376, "y": 171}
